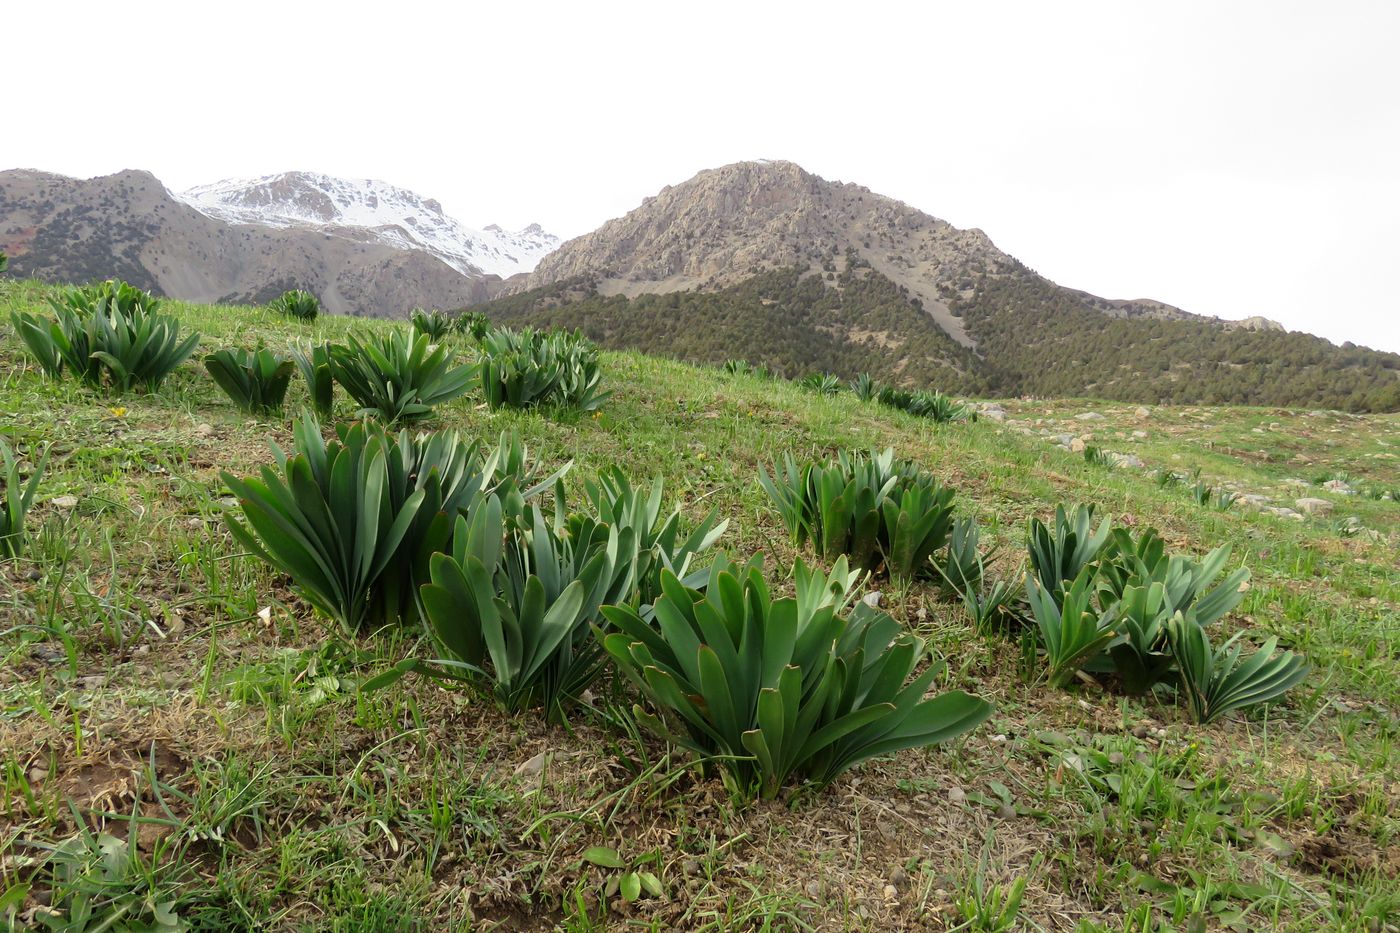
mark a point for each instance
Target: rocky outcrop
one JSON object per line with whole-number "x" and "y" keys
{"x": 129, "y": 226}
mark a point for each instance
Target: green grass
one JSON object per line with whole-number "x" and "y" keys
{"x": 146, "y": 695}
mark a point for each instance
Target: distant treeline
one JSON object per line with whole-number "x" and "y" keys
{"x": 1033, "y": 338}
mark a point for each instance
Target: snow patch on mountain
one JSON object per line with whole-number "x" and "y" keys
{"x": 372, "y": 209}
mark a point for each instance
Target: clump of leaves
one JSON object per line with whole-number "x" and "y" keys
{"x": 1217, "y": 681}
{"x": 1097, "y": 456}
{"x": 768, "y": 690}
{"x": 821, "y": 383}
{"x": 879, "y": 511}
{"x": 514, "y": 598}
{"x": 353, "y": 521}
{"x": 474, "y": 323}
{"x": 108, "y": 296}
{"x": 529, "y": 368}
{"x": 256, "y": 380}
{"x": 745, "y": 368}
{"x": 864, "y": 387}
{"x": 662, "y": 543}
{"x": 925, "y": 404}
{"x": 434, "y": 324}
{"x": 1059, "y": 553}
{"x": 108, "y": 337}
{"x": 1072, "y": 630}
{"x": 961, "y": 564}
{"x": 521, "y": 592}
{"x": 298, "y": 304}
{"x": 398, "y": 377}
{"x": 314, "y": 364}
{"x": 16, "y": 499}
{"x": 100, "y": 882}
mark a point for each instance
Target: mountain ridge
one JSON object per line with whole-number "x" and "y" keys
{"x": 716, "y": 228}
{"x": 395, "y": 215}
{"x": 736, "y": 250}
{"x": 129, "y": 225}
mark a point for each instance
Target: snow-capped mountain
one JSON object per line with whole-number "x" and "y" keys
{"x": 383, "y": 212}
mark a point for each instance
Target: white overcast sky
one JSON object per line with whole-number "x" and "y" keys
{"x": 1232, "y": 158}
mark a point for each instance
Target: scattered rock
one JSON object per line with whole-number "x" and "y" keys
{"x": 1313, "y": 506}
{"x": 956, "y": 794}
{"x": 1064, "y": 440}
{"x": 532, "y": 767}
{"x": 1143, "y": 413}
{"x": 1139, "y": 435}
{"x": 1077, "y": 445}
{"x": 1132, "y": 461}
{"x": 1089, "y": 416}
{"x": 64, "y": 502}
{"x": 1254, "y": 500}
{"x": 1339, "y": 486}
{"x": 872, "y": 599}
{"x": 204, "y": 430}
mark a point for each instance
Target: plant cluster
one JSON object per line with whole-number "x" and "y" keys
{"x": 298, "y": 304}
{"x": 107, "y": 335}
{"x": 530, "y": 368}
{"x": 354, "y": 520}
{"x": 524, "y": 592}
{"x": 1106, "y": 601}
{"x": 932, "y": 405}
{"x": 474, "y": 323}
{"x": 821, "y": 383}
{"x": 434, "y": 324}
{"x": 765, "y": 689}
{"x": 16, "y": 499}
{"x": 399, "y": 376}
{"x": 314, "y": 363}
{"x": 879, "y": 511}
{"x": 256, "y": 380}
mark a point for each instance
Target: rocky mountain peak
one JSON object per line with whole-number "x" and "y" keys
{"x": 722, "y": 225}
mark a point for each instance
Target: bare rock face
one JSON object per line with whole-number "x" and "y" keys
{"x": 129, "y": 226}
{"x": 726, "y": 224}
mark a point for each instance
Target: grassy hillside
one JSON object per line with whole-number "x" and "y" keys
{"x": 162, "y": 685}
{"x": 1033, "y": 338}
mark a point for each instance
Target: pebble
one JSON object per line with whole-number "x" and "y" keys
{"x": 956, "y": 794}
{"x": 64, "y": 502}
{"x": 1313, "y": 506}
{"x": 532, "y": 767}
